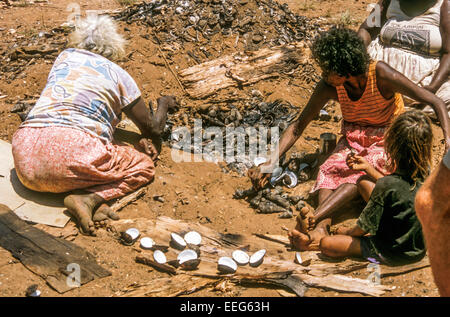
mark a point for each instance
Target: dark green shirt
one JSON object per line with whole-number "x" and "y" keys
{"x": 391, "y": 220}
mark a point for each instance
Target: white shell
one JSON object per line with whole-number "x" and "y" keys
{"x": 298, "y": 258}
{"x": 277, "y": 174}
{"x": 293, "y": 177}
{"x": 178, "y": 240}
{"x": 193, "y": 237}
{"x": 133, "y": 233}
{"x": 259, "y": 160}
{"x": 159, "y": 257}
{"x": 147, "y": 243}
{"x": 257, "y": 258}
{"x": 226, "y": 265}
{"x": 240, "y": 257}
{"x": 186, "y": 255}
{"x": 36, "y": 293}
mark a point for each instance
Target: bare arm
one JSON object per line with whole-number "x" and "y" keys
{"x": 443, "y": 71}
{"x": 140, "y": 114}
{"x": 368, "y": 32}
{"x": 390, "y": 81}
{"x": 151, "y": 125}
{"x": 321, "y": 95}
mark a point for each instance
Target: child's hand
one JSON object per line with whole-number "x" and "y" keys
{"x": 358, "y": 163}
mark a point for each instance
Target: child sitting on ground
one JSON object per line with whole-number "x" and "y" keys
{"x": 388, "y": 229}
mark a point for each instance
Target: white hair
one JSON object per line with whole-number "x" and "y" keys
{"x": 98, "y": 34}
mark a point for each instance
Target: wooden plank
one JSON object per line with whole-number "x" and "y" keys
{"x": 118, "y": 205}
{"x": 215, "y": 245}
{"x": 344, "y": 283}
{"x": 397, "y": 270}
{"x": 275, "y": 238}
{"x": 148, "y": 260}
{"x": 240, "y": 69}
{"x": 45, "y": 255}
{"x": 169, "y": 287}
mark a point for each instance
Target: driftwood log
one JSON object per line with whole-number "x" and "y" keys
{"x": 118, "y": 205}
{"x": 273, "y": 270}
{"x": 241, "y": 69}
{"x": 44, "y": 254}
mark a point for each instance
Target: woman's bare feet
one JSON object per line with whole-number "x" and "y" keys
{"x": 305, "y": 219}
{"x": 309, "y": 241}
{"x": 81, "y": 206}
{"x": 103, "y": 214}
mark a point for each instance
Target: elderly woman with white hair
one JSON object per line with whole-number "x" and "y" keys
{"x": 66, "y": 142}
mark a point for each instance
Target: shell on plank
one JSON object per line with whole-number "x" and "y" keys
{"x": 226, "y": 265}
{"x": 240, "y": 257}
{"x": 257, "y": 258}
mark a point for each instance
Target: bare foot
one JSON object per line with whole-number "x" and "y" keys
{"x": 103, "y": 214}
{"x": 80, "y": 206}
{"x": 308, "y": 241}
{"x": 299, "y": 240}
{"x": 305, "y": 220}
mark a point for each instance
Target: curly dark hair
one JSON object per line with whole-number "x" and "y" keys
{"x": 341, "y": 50}
{"x": 408, "y": 144}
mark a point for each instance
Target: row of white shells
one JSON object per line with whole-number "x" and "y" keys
{"x": 189, "y": 258}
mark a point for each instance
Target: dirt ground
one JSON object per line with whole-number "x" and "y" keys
{"x": 191, "y": 191}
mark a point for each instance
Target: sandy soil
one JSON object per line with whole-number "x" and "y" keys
{"x": 191, "y": 191}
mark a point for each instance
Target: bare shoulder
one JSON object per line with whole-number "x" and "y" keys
{"x": 325, "y": 91}
{"x": 387, "y": 79}
{"x": 384, "y": 71}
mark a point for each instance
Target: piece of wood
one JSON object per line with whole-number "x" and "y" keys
{"x": 148, "y": 260}
{"x": 118, "y": 205}
{"x": 45, "y": 255}
{"x": 215, "y": 245}
{"x": 397, "y": 270}
{"x": 344, "y": 283}
{"x": 169, "y": 287}
{"x": 275, "y": 238}
{"x": 240, "y": 69}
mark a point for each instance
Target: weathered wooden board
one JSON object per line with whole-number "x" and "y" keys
{"x": 240, "y": 69}
{"x": 44, "y": 254}
{"x": 168, "y": 287}
{"x": 215, "y": 245}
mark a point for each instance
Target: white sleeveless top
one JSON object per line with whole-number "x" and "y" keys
{"x": 420, "y": 34}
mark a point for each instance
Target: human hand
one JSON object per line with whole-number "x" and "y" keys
{"x": 258, "y": 179}
{"x": 170, "y": 101}
{"x": 148, "y": 148}
{"x": 358, "y": 163}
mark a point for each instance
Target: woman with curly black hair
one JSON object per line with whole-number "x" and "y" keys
{"x": 369, "y": 94}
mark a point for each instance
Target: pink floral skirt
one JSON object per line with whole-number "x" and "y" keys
{"x": 367, "y": 141}
{"x": 59, "y": 159}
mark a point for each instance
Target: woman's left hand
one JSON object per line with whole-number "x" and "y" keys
{"x": 148, "y": 148}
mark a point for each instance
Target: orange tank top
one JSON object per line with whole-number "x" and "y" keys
{"x": 372, "y": 108}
